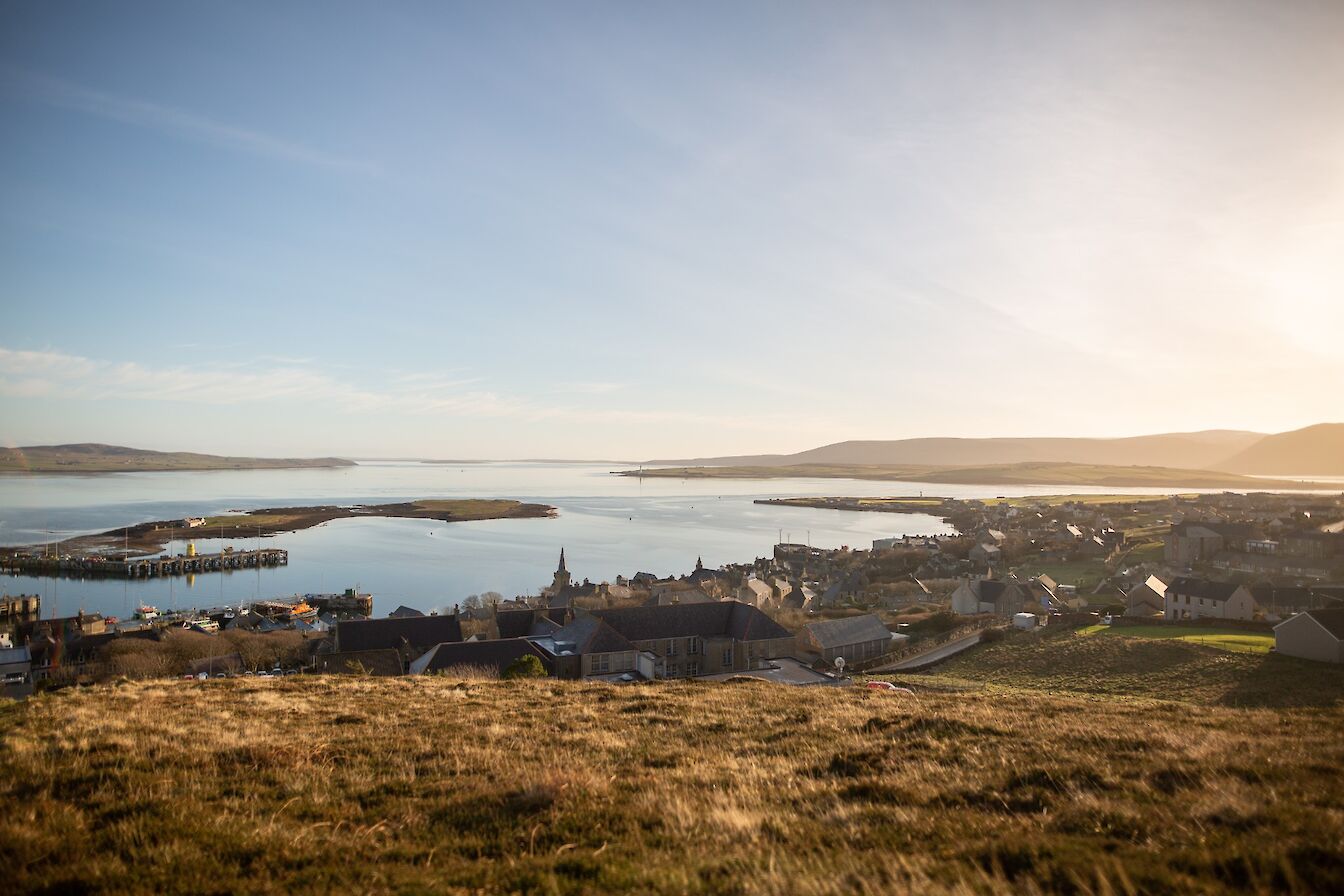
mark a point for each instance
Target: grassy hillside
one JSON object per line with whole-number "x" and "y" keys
{"x": 1065, "y": 661}
{"x": 997, "y": 474}
{"x": 94, "y": 458}
{"x": 1234, "y": 639}
{"x": 433, "y": 785}
{"x": 1313, "y": 451}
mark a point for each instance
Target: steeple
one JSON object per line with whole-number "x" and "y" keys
{"x": 561, "y": 580}
{"x": 699, "y": 565}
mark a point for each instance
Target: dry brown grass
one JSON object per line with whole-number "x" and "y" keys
{"x": 436, "y": 785}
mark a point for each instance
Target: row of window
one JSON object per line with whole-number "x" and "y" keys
{"x": 693, "y": 647}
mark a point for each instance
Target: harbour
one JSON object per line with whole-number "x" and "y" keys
{"x": 189, "y": 563}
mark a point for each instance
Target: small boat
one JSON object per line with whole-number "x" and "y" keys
{"x": 146, "y": 612}
{"x": 303, "y": 611}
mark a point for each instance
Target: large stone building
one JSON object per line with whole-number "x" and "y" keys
{"x": 855, "y": 639}
{"x": 687, "y": 640}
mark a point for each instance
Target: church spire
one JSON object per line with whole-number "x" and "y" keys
{"x": 561, "y": 567}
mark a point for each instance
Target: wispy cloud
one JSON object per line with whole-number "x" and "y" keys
{"x": 54, "y": 375}
{"x": 179, "y": 123}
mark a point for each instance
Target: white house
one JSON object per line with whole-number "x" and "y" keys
{"x": 1188, "y": 598}
{"x": 1313, "y": 635}
{"x": 1147, "y": 598}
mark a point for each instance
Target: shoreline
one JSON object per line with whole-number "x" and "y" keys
{"x": 153, "y": 537}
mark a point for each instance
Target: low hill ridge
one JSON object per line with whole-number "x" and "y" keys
{"x": 1312, "y": 451}
{"x": 1315, "y": 450}
{"x": 94, "y": 457}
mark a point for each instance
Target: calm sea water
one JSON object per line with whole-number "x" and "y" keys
{"x": 608, "y": 525}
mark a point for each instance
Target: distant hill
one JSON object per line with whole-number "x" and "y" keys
{"x": 1193, "y": 450}
{"x": 91, "y": 457}
{"x": 1314, "y": 451}
{"x": 1029, "y": 473}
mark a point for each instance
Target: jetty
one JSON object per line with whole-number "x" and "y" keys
{"x": 19, "y": 608}
{"x": 190, "y": 563}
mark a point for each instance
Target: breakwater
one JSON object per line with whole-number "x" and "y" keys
{"x": 143, "y": 567}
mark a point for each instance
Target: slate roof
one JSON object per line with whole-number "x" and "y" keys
{"x": 1332, "y": 620}
{"x": 689, "y": 596}
{"x": 12, "y": 655}
{"x": 376, "y": 662}
{"x": 421, "y": 632}
{"x": 405, "y": 612}
{"x": 544, "y": 626}
{"x": 590, "y": 634}
{"x": 514, "y": 623}
{"x": 726, "y": 619}
{"x": 847, "y": 631}
{"x": 499, "y": 654}
{"x": 1209, "y": 590}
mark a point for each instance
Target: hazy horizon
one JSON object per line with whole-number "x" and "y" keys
{"x": 604, "y": 231}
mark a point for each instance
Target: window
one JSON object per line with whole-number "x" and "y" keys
{"x": 692, "y": 669}
{"x": 601, "y": 663}
{"x": 671, "y": 648}
{"x": 727, "y": 656}
{"x": 692, "y": 646}
{"x": 673, "y": 670}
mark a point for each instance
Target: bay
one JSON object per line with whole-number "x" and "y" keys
{"x": 609, "y": 525}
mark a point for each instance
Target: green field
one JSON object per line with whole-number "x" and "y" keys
{"x": 1235, "y": 639}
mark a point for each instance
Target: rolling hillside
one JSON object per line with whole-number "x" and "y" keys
{"x": 1198, "y": 450}
{"x": 1314, "y": 451}
{"x": 91, "y": 457}
{"x": 343, "y": 784}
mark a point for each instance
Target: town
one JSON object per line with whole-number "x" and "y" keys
{"x": 1256, "y": 572}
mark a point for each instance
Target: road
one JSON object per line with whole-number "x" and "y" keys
{"x": 942, "y": 652}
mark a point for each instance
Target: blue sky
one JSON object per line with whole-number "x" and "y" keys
{"x": 638, "y": 230}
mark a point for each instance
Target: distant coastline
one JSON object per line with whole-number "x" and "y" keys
{"x": 152, "y": 537}
{"x": 97, "y": 458}
{"x": 1044, "y": 473}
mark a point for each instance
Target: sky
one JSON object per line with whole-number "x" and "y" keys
{"x": 625, "y": 231}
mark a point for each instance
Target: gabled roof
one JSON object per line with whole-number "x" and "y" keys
{"x": 405, "y": 612}
{"x": 514, "y": 623}
{"x": 1330, "y": 619}
{"x": 499, "y": 654}
{"x": 421, "y": 632}
{"x": 851, "y": 630}
{"x": 725, "y": 619}
{"x": 1205, "y": 588}
{"x": 590, "y": 634}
